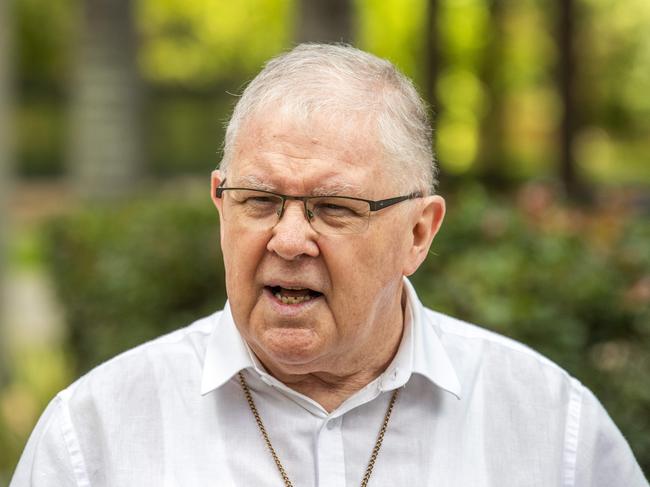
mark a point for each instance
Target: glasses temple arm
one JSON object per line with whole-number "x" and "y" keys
{"x": 381, "y": 204}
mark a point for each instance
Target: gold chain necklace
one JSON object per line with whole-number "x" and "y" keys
{"x": 276, "y": 459}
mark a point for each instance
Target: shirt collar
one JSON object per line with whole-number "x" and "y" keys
{"x": 426, "y": 353}
{"x": 421, "y": 352}
{"x": 226, "y": 354}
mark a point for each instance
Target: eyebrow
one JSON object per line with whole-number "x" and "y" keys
{"x": 253, "y": 182}
{"x": 338, "y": 189}
{"x": 334, "y": 189}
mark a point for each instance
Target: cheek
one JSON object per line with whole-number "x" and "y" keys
{"x": 382, "y": 254}
{"x": 365, "y": 270}
{"x": 242, "y": 252}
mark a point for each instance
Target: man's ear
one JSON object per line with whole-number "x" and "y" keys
{"x": 215, "y": 181}
{"x": 424, "y": 226}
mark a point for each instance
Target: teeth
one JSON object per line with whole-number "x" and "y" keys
{"x": 292, "y": 299}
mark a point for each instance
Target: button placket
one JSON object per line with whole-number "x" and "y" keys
{"x": 330, "y": 457}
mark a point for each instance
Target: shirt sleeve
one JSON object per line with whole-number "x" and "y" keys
{"x": 603, "y": 456}
{"x": 52, "y": 457}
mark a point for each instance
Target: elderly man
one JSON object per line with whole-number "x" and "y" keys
{"x": 324, "y": 369}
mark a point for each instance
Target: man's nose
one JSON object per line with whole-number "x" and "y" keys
{"x": 293, "y": 235}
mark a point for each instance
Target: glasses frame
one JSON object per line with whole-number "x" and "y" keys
{"x": 374, "y": 205}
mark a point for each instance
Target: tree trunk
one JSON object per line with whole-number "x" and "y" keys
{"x": 566, "y": 84}
{"x": 324, "y": 21}
{"x": 6, "y": 71}
{"x": 106, "y": 143}
{"x": 492, "y": 154}
{"x": 432, "y": 68}
{"x": 432, "y": 54}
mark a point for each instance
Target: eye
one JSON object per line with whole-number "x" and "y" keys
{"x": 260, "y": 200}
{"x": 253, "y": 198}
{"x": 332, "y": 208}
{"x": 337, "y": 208}
{"x": 256, "y": 204}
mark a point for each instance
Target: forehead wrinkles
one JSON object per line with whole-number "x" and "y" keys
{"x": 334, "y": 188}
{"x": 350, "y": 138}
{"x": 270, "y": 142}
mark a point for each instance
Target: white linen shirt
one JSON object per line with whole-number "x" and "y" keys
{"x": 476, "y": 410}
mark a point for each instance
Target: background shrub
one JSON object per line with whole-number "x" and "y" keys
{"x": 128, "y": 274}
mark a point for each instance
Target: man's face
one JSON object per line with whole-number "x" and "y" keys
{"x": 344, "y": 290}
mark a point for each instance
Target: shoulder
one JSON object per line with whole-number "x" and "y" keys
{"x": 534, "y": 403}
{"x": 499, "y": 365}
{"x": 121, "y": 405}
{"x": 457, "y": 332}
{"x": 176, "y": 356}
{"x": 460, "y": 335}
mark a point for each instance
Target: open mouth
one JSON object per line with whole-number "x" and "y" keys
{"x": 293, "y": 295}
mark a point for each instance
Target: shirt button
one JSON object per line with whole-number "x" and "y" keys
{"x": 333, "y": 423}
{"x": 395, "y": 372}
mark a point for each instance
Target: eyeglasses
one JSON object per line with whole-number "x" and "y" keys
{"x": 328, "y": 215}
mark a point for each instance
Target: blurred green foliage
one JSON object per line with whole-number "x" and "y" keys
{"x": 571, "y": 284}
{"x": 127, "y": 274}
{"x": 194, "y": 43}
{"x": 498, "y": 102}
{"x": 399, "y": 38}
{"x": 185, "y": 133}
{"x": 45, "y": 34}
{"x": 41, "y": 372}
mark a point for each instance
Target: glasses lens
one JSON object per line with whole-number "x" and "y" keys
{"x": 339, "y": 215}
{"x": 253, "y": 208}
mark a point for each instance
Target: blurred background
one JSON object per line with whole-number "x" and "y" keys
{"x": 111, "y": 119}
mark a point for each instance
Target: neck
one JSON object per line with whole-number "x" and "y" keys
{"x": 331, "y": 386}
{"x": 328, "y": 390}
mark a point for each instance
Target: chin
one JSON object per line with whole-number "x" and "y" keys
{"x": 291, "y": 347}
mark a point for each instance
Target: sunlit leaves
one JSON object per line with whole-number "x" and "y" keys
{"x": 464, "y": 29}
{"x": 463, "y": 32}
{"x": 461, "y": 94}
{"x": 614, "y": 56}
{"x": 616, "y": 48}
{"x": 457, "y": 144}
{"x": 197, "y": 42}
{"x": 528, "y": 45}
{"x": 393, "y": 29}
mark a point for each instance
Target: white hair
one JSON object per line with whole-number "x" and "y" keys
{"x": 345, "y": 83}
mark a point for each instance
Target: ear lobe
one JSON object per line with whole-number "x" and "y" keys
{"x": 426, "y": 224}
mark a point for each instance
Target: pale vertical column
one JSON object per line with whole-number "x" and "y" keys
{"x": 106, "y": 99}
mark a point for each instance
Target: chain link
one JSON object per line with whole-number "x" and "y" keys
{"x": 276, "y": 459}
